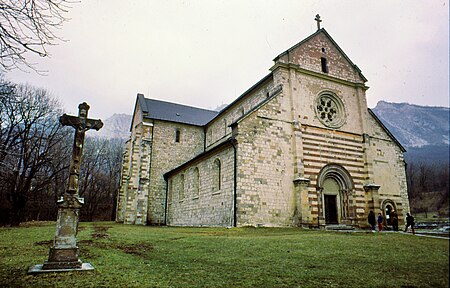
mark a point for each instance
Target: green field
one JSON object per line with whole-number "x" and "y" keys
{"x": 140, "y": 256}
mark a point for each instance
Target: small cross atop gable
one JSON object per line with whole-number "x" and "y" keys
{"x": 320, "y": 53}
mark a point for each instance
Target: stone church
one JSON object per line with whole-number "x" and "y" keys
{"x": 298, "y": 148}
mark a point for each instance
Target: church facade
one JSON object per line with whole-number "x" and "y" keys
{"x": 299, "y": 148}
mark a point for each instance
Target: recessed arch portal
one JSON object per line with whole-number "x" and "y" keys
{"x": 335, "y": 184}
{"x": 387, "y": 207}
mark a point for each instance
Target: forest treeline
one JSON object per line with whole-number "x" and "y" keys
{"x": 35, "y": 152}
{"x": 428, "y": 187}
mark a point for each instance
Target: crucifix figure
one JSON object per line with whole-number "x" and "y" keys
{"x": 63, "y": 255}
{"x": 81, "y": 125}
{"x": 318, "y": 21}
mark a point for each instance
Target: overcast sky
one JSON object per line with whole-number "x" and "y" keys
{"x": 207, "y": 53}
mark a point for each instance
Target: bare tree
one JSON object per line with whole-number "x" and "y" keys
{"x": 31, "y": 146}
{"x": 428, "y": 187}
{"x": 27, "y": 26}
{"x": 99, "y": 177}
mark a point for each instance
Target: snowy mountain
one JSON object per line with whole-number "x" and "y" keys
{"x": 422, "y": 130}
{"x": 116, "y": 126}
{"x": 413, "y": 125}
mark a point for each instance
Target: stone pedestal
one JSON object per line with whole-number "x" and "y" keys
{"x": 63, "y": 255}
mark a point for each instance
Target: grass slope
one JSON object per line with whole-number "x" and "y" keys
{"x": 139, "y": 256}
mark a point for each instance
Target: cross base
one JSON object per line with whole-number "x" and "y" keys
{"x": 38, "y": 269}
{"x": 62, "y": 258}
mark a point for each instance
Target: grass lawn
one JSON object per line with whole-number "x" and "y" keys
{"x": 140, "y": 256}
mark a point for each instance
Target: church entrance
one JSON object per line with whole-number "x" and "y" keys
{"x": 335, "y": 186}
{"x": 330, "y": 209}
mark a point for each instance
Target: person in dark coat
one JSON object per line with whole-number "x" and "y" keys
{"x": 394, "y": 220}
{"x": 409, "y": 222}
{"x": 380, "y": 222}
{"x": 371, "y": 219}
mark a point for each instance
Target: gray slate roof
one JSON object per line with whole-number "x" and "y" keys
{"x": 161, "y": 110}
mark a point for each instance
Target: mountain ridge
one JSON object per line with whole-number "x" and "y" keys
{"x": 422, "y": 130}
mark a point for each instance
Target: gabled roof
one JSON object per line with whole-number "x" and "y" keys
{"x": 161, "y": 110}
{"x": 322, "y": 30}
{"x": 247, "y": 92}
{"x": 386, "y": 130}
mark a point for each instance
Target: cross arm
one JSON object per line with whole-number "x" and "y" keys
{"x": 77, "y": 123}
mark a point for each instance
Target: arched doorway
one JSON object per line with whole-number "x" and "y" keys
{"x": 388, "y": 207}
{"x": 331, "y": 201}
{"x": 334, "y": 185}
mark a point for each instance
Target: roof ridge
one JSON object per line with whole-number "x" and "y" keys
{"x": 178, "y": 104}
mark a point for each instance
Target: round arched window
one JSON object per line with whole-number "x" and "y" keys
{"x": 330, "y": 110}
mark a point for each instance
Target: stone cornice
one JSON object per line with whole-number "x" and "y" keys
{"x": 318, "y": 75}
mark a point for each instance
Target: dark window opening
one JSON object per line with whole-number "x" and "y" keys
{"x": 324, "y": 64}
{"x": 323, "y": 50}
{"x": 217, "y": 176}
{"x": 177, "y": 136}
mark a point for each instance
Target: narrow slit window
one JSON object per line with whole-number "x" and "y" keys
{"x": 324, "y": 63}
{"x": 181, "y": 192}
{"x": 177, "y": 136}
{"x": 217, "y": 177}
{"x": 196, "y": 182}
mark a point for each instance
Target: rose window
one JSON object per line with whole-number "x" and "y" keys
{"x": 330, "y": 110}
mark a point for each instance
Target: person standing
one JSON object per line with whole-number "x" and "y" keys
{"x": 409, "y": 222}
{"x": 394, "y": 220}
{"x": 380, "y": 222}
{"x": 371, "y": 220}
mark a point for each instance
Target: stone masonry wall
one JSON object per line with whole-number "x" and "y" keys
{"x": 306, "y": 90}
{"x": 318, "y": 145}
{"x": 389, "y": 170}
{"x": 135, "y": 168}
{"x": 308, "y": 56}
{"x": 167, "y": 155}
{"x": 265, "y": 169}
{"x": 218, "y": 131}
{"x": 193, "y": 201}
{"x": 124, "y": 176}
{"x": 322, "y": 147}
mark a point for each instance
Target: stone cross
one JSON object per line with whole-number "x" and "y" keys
{"x": 63, "y": 255}
{"x": 318, "y": 21}
{"x": 81, "y": 125}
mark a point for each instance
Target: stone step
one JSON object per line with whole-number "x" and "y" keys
{"x": 339, "y": 227}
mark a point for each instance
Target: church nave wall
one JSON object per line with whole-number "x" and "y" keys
{"x": 218, "y": 131}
